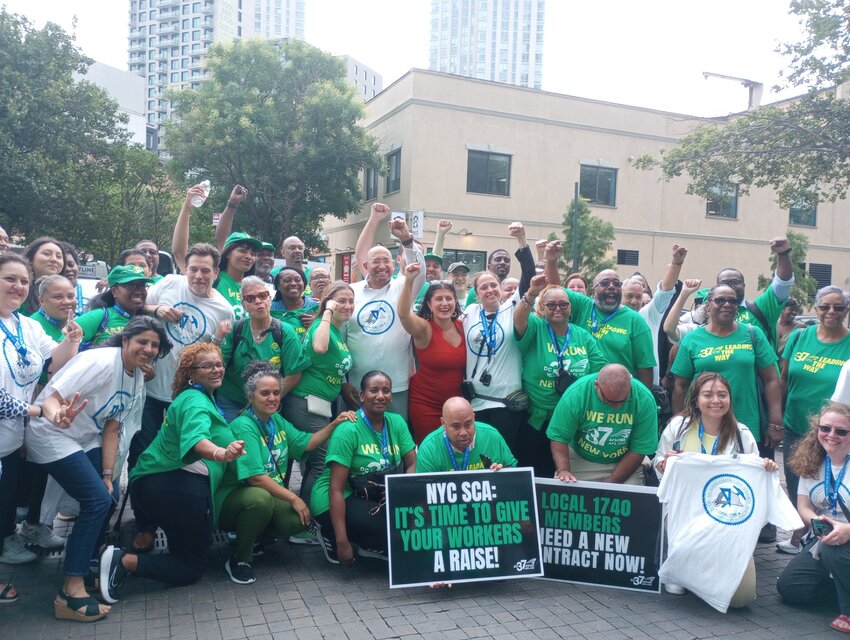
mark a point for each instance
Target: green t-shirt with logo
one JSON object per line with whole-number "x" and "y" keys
{"x": 191, "y": 418}
{"x": 813, "y": 368}
{"x": 732, "y": 357}
{"x": 600, "y": 433}
{"x": 355, "y": 446}
{"x": 307, "y": 290}
{"x": 232, "y": 292}
{"x": 53, "y": 331}
{"x": 622, "y": 335}
{"x": 293, "y": 317}
{"x": 540, "y": 364}
{"x": 326, "y": 373}
{"x": 289, "y": 443}
{"x": 90, "y": 324}
{"x": 238, "y": 356}
{"x": 433, "y": 455}
{"x": 771, "y": 307}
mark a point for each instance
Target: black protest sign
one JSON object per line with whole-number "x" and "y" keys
{"x": 598, "y": 533}
{"x": 462, "y": 526}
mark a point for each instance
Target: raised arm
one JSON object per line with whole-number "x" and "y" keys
{"x": 225, "y": 221}
{"x": 418, "y": 328}
{"x": 674, "y": 267}
{"x": 782, "y": 248}
{"x": 366, "y": 239}
{"x": 412, "y": 254}
{"x": 443, "y": 227}
{"x": 526, "y": 303}
{"x": 552, "y": 254}
{"x": 524, "y": 257}
{"x": 671, "y": 323}
{"x": 180, "y": 237}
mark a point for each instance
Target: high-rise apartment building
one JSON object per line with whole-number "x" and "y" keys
{"x": 499, "y": 40}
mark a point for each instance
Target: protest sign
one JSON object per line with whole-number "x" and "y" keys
{"x": 466, "y": 526}
{"x": 598, "y": 533}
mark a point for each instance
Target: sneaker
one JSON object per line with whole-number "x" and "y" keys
{"x": 112, "y": 573}
{"x": 363, "y": 552}
{"x": 239, "y": 572}
{"x": 14, "y": 551}
{"x": 674, "y": 589}
{"x": 328, "y": 547}
{"x": 788, "y": 547}
{"x": 40, "y": 535}
{"x": 308, "y": 536}
{"x": 768, "y": 533}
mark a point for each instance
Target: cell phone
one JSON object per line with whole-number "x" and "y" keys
{"x": 677, "y": 446}
{"x": 821, "y": 528}
{"x": 486, "y": 461}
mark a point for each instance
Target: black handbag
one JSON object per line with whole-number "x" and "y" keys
{"x": 372, "y": 486}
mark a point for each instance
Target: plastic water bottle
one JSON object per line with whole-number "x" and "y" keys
{"x": 197, "y": 201}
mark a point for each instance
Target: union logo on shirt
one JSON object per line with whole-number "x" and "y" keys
{"x": 191, "y": 327}
{"x": 116, "y": 405}
{"x": 376, "y": 317}
{"x": 23, "y": 373}
{"x": 728, "y": 499}
{"x": 477, "y": 343}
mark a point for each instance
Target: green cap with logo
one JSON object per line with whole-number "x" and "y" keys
{"x": 268, "y": 246}
{"x": 122, "y": 274}
{"x": 434, "y": 257}
{"x": 239, "y": 236}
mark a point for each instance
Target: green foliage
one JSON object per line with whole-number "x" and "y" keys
{"x": 821, "y": 58}
{"x": 281, "y": 121}
{"x": 804, "y": 285}
{"x": 595, "y": 238}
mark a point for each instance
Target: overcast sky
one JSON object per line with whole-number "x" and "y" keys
{"x": 649, "y": 53}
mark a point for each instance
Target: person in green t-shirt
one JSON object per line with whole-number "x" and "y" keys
{"x": 252, "y": 498}
{"x": 290, "y": 304}
{"x": 257, "y": 337}
{"x": 555, "y": 353}
{"x": 113, "y": 309}
{"x": 738, "y": 352}
{"x": 347, "y": 500}
{"x": 237, "y": 261}
{"x": 462, "y": 444}
{"x": 56, "y": 297}
{"x": 604, "y": 426}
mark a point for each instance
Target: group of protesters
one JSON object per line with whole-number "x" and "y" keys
{"x": 210, "y": 384}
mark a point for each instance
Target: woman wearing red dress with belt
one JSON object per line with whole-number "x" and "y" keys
{"x": 440, "y": 351}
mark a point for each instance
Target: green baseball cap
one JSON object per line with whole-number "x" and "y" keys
{"x": 268, "y": 246}
{"x": 702, "y": 294}
{"x": 239, "y": 236}
{"x": 122, "y": 274}
{"x": 434, "y": 257}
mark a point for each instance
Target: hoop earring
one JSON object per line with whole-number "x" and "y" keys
{"x": 190, "y": 381}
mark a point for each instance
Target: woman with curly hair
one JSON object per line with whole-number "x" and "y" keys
{"x": 185, "y": 462}
{"x": 47, "y": 258}
{"x": 822, "y": 571}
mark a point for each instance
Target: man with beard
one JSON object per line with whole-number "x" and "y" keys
{"x": 622, "y": 334}
{"x": 264, "y": 263}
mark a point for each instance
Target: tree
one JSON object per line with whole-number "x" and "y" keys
{"x": 804, "y": 285}
{"x": 281, "y": 121}
{"x": 595, "y": 238}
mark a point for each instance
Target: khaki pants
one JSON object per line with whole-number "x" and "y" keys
{"x": 585, "y": 470}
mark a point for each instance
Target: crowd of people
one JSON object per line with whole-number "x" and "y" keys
{"x": 209, "y": 384}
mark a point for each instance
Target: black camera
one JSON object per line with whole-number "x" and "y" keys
{"x": 467, "y": 390}
{"x": 485, "y": 378}
{"x": 563, "y": 381}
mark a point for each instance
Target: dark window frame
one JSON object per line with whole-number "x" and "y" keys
{"x": 591, "y": 177}
{"x": 370, "y": 183}
{"x": 630, "y": 257}
{"x": 724, "y": 204}
{"x": 488, "y": 181}
{"x": 800, "y": 214}
{"x": 393, "y": 181}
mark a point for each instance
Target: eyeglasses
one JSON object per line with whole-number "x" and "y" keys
{"x": 562, "y": 305}
{"x": 825, "y": 429}
{"x": 838, "y": 308}
{"x": 255, "y": 297}
{"x": 724, "y": 301}
{"x": 209, "y": 366}
{"x": 150, "y": 252}
{"x": 617, "y": 284}
{"x": 732, "y": 282}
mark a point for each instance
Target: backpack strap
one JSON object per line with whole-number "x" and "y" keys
{"x": 238, "y": 330}
{"x": 277, "y": 336}
{"x": 88, "y": 344}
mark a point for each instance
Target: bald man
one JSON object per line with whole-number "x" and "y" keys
{"x": 462, "y": 444}
{"x": 604, "y": 426}
{"x": 4, "y": 241}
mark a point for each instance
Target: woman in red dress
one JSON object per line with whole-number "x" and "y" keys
{"x": 439, "y": 347}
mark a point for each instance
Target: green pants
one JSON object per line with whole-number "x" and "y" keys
{"x": 252, "y": 511}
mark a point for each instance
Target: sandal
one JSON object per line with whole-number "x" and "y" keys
{"x": 69, "y": 610}
{"x": 5, "y": 597}
{"x": 841, "y": 623}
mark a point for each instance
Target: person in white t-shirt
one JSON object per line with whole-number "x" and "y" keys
{"x": 707, "y": 425}
{"x": 822, "y": 571}
{"x": 191, "y": 310}
{"x": 842, "y": 387}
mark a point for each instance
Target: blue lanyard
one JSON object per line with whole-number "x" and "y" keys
{"x": 489, "y": 332}
{"x": 120, "y": 311}
{"x": 451, "y": 453}
{"x": 831, "y": 488}
{"x": 203, "y": 390}
{"x": 79, "y": 300}
{"x": 383, "y": 437}
{"x": 593, "y": 322}
{"x": 270, "y": 431}
{"x": 56, "y": 323}
{"x": 701, "y": 433}
{"x": 17, "y": 341}
{"x": 564, "y": 346}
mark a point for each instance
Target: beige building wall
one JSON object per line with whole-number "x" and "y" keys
{"x": 436, "y": 118}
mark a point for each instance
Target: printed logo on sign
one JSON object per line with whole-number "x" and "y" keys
{"x": 728, "y": 499}
{"x": 643, "y": 581}
{"x": 526, "y": 565}
{"x": 115, "y": 406}
{"x": 191, "y": 327}
{"x": 478, "y": 345}
{"x": 22, "y": 374}
{"x": 376, "y": 317}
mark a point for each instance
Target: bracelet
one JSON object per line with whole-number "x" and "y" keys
{"x": 40, "y": 411}
{"x": 678, "y": 264}
{"x": 407, "y": 243}
{"x": 775, "y": 427}
{"x": 231, "y": 205}
{"x": 525, "y": 301}
{"x": 107, "y": 473}
{"x": 156, "y": 311}
{"x": 215, "y": 454}
{"x": 784, "y": 253}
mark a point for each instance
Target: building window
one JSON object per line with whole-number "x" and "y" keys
{"x": 475, "y": 260}
{"x": 393, "y": 171}
{"x": 723, "y": 201}
{"x": 598, "y": 185}
{"x": 803, "y": 215}
{"x": 822, "y": 273}
{"x": 371, "y": 183}
{"x": 488, "y": 173}
{"x": 628, "y": 257}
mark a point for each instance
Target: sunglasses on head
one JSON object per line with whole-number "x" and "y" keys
{"x": 825, "y": 429}
{"x": 254, "y": 297}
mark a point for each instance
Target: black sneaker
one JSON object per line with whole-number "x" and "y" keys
{"x": 239, "y": 572}
{"x": 112, "y": 573}
{"x": 328, "y": 546}
{"x": 768, "y": 533}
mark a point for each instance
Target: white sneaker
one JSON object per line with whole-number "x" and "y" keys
{"x": 14, "y": 551}
{"x": 674, "y": 589}
{"x": 788, "y": 547}
{"x": 40, "y": 535}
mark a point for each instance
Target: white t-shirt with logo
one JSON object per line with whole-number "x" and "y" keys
{"x": 813, "y": 487}
{"x": 504, "y": 364}
{"x": 18, "y": 377}
{"x": 99, "y": 376}
{"x": 201, "y": 317}
{"x": 842, "y": 387}
{"x": 716, "y": 507}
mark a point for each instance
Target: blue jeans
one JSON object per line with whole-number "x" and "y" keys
{"x": 231, "y": 409}
{"x": 80, "y": 476}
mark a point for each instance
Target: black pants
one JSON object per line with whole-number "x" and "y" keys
{"x": 533, "y": 450}
{"x": 153, "y": 415}
{"x": 10, "y": 479}
{"x": 806, "y": 581}
{"x": 180, "y": 503}
{"x": 33, "y": 483}
{"x": 505, "y": 421}
{"x": 362, "y": 527}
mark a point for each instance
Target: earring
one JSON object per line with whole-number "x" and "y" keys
{"x": 191, "y": 382}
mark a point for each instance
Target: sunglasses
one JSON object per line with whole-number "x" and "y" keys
{"x": 732, "y": 282}
{"x": 609, "y": 283}
{"x": 825, "y": 429}
{"x": 562, "y": 305}
{"x": 255, "y": 297}
{"x": 838, "y": 308}
{"x": 724, "y": 301}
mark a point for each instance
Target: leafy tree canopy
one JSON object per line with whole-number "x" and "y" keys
{"x": 804, "y": 285}
{"x": 595, "y": 238}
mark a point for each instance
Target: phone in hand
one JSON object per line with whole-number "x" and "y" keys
{"x": 486, "y": 461}
{"x": 821, "y": 528}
